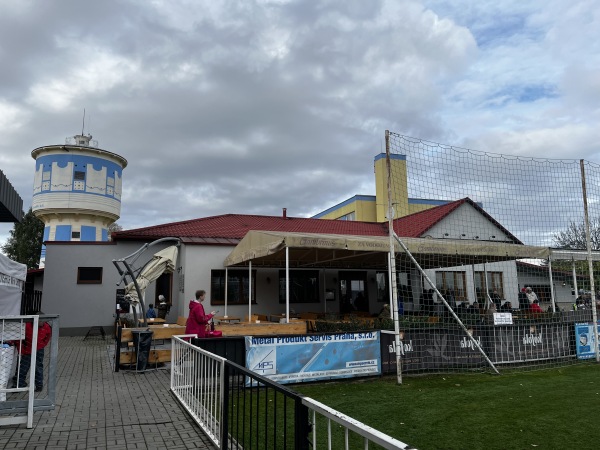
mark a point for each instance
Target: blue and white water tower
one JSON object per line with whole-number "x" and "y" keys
{"x": 77, "y": 190}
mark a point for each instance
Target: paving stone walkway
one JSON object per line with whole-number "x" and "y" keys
{"x": 97, "y": 408}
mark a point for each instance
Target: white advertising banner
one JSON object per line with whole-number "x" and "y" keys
{"x": 294, "y": 359}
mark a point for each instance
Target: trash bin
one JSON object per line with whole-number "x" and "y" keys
{"x": 142, "y": 342}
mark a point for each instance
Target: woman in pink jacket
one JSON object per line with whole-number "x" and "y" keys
{"x": 197, "y": 320}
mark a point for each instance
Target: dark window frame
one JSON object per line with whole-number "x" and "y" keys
{"x": 85, "y": 275}
{"x": 301, "y": 290}
{"x": 235, "y": 278}
{"x": 403, "y": 286}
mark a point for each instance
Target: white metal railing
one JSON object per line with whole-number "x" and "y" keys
{"x": 348, "y": 424}
{"x": 197, "y": 380}
{"x": 12, "y": 330}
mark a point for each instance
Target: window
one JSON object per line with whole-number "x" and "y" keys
{"x": 237, "y": 287}
{"x": 455, "y": 282}
{"x": 78, "y": 175}
{"x": 89, "y": 275}
{"x": 494, "y": 283}
{"x": 350, "y": 216}
{"x": 402, "y": 282}
{"x": 304, "y": 286}
{"x": 75, "y": 235}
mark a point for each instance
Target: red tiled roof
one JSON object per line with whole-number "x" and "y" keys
{"x": 229, "y": 229}
{"x": 417, "y": 224}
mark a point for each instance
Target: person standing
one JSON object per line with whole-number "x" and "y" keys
{"x": 24, "y": 349}
{"x": 198, "y": 319}
{"x": 163, "y": 307}
{"x": 531, "y": 296}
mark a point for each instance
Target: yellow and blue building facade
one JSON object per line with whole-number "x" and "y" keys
{"x": 374, "y": 208}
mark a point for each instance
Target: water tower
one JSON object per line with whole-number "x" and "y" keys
{"x": 76, "y": 190}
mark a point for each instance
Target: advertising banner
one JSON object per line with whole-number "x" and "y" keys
{"x": 294, "y": 359}
{"x": 434, "y": 348}
{"x": 440, "y": 348}
{"x": 528, "y": 342}
{"x": 584, "y": 338}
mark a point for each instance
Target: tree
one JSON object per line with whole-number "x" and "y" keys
{"x": 573, "y": 237}
{"x": 24, "y": 243}
{"x": 112, "y": 228}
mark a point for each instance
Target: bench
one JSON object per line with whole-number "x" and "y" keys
{"x": 125, "y": 353}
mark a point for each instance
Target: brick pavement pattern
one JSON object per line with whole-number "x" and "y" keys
{"x": 97, "y": 408}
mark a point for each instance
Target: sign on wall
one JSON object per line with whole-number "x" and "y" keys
{"x": 294, "y": 359}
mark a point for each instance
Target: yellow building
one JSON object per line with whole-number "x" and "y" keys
{"x": 373, "y": 208}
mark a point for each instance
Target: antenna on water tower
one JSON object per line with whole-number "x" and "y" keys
{"x": 83, "y": 125}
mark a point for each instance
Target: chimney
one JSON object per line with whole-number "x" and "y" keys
{"x": 285, "y": 213}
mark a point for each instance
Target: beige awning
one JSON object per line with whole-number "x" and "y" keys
{"x": 266, "y": 248}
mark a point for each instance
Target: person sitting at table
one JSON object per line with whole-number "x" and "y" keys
{"x": 151, "y": 313}
{"x": 535, "y": 308}
{"x": 473, "y": 308}
{"x": 506, "y": 307}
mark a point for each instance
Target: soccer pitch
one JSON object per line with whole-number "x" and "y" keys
{"x": 549, "y": 409}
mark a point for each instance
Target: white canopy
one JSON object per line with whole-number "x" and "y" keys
{"x": 12, "y": 281}
{"x": 162, "y": 261}
{"x": 266, "y": 248}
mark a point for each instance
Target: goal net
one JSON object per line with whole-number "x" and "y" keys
{"x": 492, "y": 269}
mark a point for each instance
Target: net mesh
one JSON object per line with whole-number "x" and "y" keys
{"x": 490, "y": 291}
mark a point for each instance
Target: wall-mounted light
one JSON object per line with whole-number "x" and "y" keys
{"x": 463, "y": 235}
{"x": 492, "y": 237}
{"x": 475, "y": 237}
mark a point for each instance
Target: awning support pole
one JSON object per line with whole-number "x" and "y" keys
{"x": 250, "y": 291}
{"x": 287, "y": 284}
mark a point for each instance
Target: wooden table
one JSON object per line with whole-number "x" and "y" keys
{"x": 228, "y": 319}
{"x": 151, "y": 321}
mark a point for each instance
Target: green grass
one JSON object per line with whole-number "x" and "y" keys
{"x": 550, "y": 409}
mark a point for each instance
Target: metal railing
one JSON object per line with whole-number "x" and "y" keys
{"x": 17, "y": 399}
{"x": 239, "y": 409}
{"x": 31, "y": 302}
{"x": 197, "y": 381}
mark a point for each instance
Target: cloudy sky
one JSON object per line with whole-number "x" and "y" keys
{"x": 250, "y": 106}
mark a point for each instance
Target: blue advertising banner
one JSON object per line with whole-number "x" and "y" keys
{"x": 584, "y": 338}
{"x": 294, "y": 359}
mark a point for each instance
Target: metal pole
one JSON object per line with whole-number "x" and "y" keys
{"x": 287, "y": 284}
{"x": 226, "y": 282}
{"x": 589, "y": 252}
{"x": 551, "y": 283}
{"x": 250, "y": 291}
{"x": 392, "y": 266}
{"x": 576, "y": 290}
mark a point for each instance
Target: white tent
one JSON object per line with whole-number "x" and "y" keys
{"x": 12, "y": 281}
